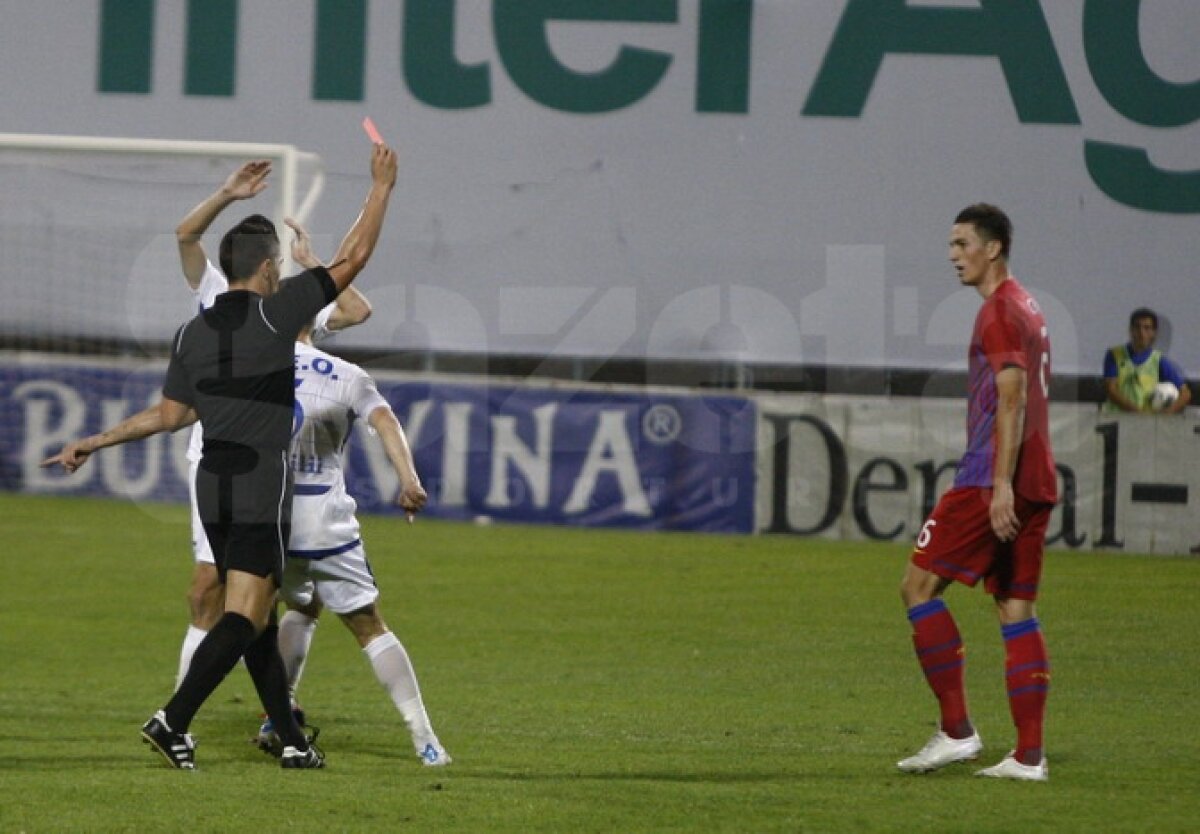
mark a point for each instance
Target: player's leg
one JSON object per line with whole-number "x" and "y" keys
{"x": 345, "y": 585}
{"x": 244, "y": 516}
{"x": 247, "y": 601}
{"x": 240, "y": 522}
{"x": 953, "y": 545}
{"x": 255, "y": 562}
{"x": 296, "y": 629}
{"x": 211, "y": 660}
{"x": 253, "y": 598}
{"x": 1026, "y": 662}
{"x": 205, "y": 593}
{"x": 1027, "y": 676}
{"x": 939, "y": 651}
{"x": 206, "y": 599}
{"x": 938, "y": 647}
{"x": 216, "y": 654}
{"x": 295, "y": 634}
{"x": 395, "y": 673}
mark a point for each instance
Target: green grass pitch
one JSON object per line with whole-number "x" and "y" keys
{"x": 589, "y": 681}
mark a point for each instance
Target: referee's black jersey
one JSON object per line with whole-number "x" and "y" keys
{"x": 234, "y": 362}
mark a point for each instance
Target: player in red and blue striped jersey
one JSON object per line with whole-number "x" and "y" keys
{"x": 991, "y": 525}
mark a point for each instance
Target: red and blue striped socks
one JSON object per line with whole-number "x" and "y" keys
{"x": 1027, "y": 673}
{"x": 940, "y": 652}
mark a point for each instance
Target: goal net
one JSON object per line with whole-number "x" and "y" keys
{"x": 87, "y": 231}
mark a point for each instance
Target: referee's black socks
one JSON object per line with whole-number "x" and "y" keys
{"x": 214, "y": 657}
{"x": 266, "y": 669}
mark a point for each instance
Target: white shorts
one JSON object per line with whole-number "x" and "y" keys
{"x": 201, "y": 549}
{"x": 343, "y": 581}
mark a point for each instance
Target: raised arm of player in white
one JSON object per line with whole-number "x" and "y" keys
{"x": 351, "y": 307}
{"x": 412, "y": 495}
{"x": 242, "y": 184}
{"x": 153, "y": 420}
{"x": 359, "y": 242}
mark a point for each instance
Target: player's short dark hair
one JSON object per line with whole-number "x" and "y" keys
{"x": 1143, "y": 313}
{"x": 247, "y": 245}
{"x": 991, "y": 224}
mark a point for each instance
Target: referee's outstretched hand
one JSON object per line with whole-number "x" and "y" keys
{"x": 72, "y": 456}
{"x": 383, "y": 165}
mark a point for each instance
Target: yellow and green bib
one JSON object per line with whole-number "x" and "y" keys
{"x": 1135, "y": 381}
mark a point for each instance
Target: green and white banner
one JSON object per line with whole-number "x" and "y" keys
{"x": 747, "y": 180}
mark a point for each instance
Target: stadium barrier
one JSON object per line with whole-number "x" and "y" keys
{"x": 841, "y": 467}
{"x": 630, "y": 458}
{"x": 871, "y": 468}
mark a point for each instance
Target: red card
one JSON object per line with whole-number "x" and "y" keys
{"x": 372, "y": 131}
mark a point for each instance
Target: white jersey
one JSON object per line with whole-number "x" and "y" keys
{"x": 330, "y": 395}
{"x": 213, "y": 283}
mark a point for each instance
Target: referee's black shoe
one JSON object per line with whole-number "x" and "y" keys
{"x": 179, "y": 749}
{"x": 310, "y": 759}
{"x": 269, "y": 741}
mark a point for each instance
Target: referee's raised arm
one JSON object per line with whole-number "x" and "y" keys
{"x": 359, "y": 242}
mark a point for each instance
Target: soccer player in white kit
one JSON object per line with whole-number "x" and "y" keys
{"x": 326, "y": 562}
{"x": 349, "y": 590}
{"x": 342, "y": 579}
{"x": 206, "y": 283}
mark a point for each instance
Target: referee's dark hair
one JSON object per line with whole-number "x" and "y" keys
{"x": 247, "y": 245}
{"x": 991, "y": 223}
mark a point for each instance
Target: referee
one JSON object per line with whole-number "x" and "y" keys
{"x": 232, "y": 365}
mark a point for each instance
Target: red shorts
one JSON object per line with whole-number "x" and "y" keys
{"x": 957, "y": 543}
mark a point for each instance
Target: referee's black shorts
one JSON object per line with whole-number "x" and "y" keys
{"x": 244, "y": 497}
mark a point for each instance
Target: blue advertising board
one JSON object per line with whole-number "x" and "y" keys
{"x": 551, "y": 455}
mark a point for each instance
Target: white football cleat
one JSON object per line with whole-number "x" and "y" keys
{"x": 1010, "y": 768}
{"x": 941, "y": 750}
{"x": 434, "y": 755}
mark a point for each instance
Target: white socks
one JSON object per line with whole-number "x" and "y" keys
{"x": 388, "y": 658}
{"x": 295, "y": 639}
{"x": 394, "y": 670}
{"x": 191, "y": 640}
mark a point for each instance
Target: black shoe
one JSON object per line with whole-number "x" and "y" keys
{"x": 310, "y": 759}
{"x": 179, "y": 749}
{"x": 269, "y": 741}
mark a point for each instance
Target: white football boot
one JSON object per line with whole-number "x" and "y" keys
{"x": 1010, "y": 768}
{"x": 941, "y": 750}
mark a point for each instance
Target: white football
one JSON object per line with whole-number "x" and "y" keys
{"x": 1164, "y": 394}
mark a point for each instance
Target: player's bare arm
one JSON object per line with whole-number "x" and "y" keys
{"x": 1117, "y": 398}
{"x": 302, "y": 252}
{"x": 246, "y": 182}
{"x": 351, "y": 307}
{"x": 136, "y": 427}
{"x": 1181, "y": 402}
{"x": 1010, "y": 426}
{"x": 359, "y": 242}
{"x": 176, "y": 415}
{"x": 412, "y": 496}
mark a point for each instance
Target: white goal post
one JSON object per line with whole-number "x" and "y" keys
{"x": 87, "y": 230}
{"x": 288, "y": 161}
